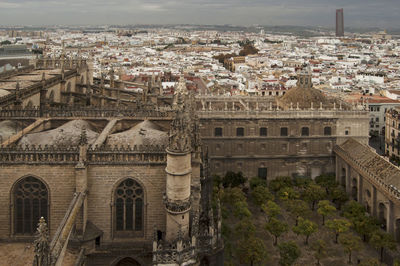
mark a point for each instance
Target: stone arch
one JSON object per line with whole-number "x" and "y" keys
{"x": 382, "y": 214}
{"x": 204, "y": 262}
{"x": 51, "y": 96}
{"x": 367, "y": 207}
{"x": 126, "y": 261}
{"x": 367, "y": 194}
{"x": 343, "y": 177}
{"x": 128, "y": 203}
{"x": 30, "y": 198}
{"x": 29, "y": 104}
{"x": 354, "y": 189}
{"x": 68, "y": 86}
{"x": 68, "y": 90}
{"x": 397, "y": 226}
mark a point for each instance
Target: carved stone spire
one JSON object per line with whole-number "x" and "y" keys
{"x": 111, "y": 73}
{"x": 181, "y": 88}
{"x": 83, "y": 146}
{"x": 195, "y": 224}
{"x": 62, "y": 73}
{"x": 179, "y": 134}
{"x": 42, "y": 250}
{"x": 83, "y": 138}
{"x": 18, "y": 101}
{"x": 153, "y": 80}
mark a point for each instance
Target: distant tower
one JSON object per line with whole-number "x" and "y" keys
{"x": 304, "y": 79}
{"x": 339, "y": 23}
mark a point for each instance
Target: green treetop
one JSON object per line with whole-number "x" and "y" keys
{"x": 305, "y": 227}
{"x": 338, "y": 226}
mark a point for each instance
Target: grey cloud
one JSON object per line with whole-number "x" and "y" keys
{"x": 272, "y": 12}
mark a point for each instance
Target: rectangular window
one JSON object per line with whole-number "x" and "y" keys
{"x": 327, "y": 131}
{"x": 218, "y": 132}
{"x": 263, "y": 131}
{"x": 262, "y": 173}
{"x": 284, "y": 131}
{"x": 239, "y": 132}
{"x": 305, "y": 131}
{"x": 377, "y": 119}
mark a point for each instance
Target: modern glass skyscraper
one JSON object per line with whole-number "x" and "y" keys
{"x": 339, "y": 23}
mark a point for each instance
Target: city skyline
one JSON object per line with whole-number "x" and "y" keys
{"x": 287, "y": 12}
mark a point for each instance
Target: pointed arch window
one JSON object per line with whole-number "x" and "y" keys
{"x": 129, "y": 209}
{"x": 30, "y": 203}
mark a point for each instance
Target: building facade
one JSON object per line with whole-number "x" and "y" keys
{"x": 124, "y": 178}
{"x": 392, "y": 134}
{"x": 119, "y": 185}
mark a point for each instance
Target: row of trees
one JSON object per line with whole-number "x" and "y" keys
{"x": 300, "y": 197}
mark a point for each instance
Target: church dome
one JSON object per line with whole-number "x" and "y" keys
{"x": 8, "y": 128}
{"x": 144, "y": 133}
{"x": 65, "y": 135}
{"x": 304, "y": 94}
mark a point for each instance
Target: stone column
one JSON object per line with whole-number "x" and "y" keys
{"x": 390, "y": 218}
{"x": 348, "y": 179}
{"x": 374, "y": 203}
{"x": 338, "y": 171}
{"x": 81, "y": 180}
{"x": 360, "y": 189}
{"x": 179, "y": 168}
{"x": 177, "y": 203}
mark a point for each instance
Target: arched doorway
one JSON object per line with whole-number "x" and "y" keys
{"x": 204, "y": 262}
{"x": 367, "y": 207}
{"x": 354, "y": 189}
{"x": 343, "y": 177}
{"x": 127, "y": 262}
{"x": 398, "y": 230}
{"x": 382, "y": 215}
{"x": 30, "y": 203}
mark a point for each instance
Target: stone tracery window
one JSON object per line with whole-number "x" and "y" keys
{"x": 129, "y": 206}
{"x": 30, "y": 203}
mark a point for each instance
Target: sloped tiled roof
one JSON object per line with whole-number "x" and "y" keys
{"x": 372, "y": 162}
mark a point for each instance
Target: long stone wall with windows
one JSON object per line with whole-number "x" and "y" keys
{"x": 372, "y": 181}
{"x": 273, "y": 143}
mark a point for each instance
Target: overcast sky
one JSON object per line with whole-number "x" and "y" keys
{"x": 358, "y": 13}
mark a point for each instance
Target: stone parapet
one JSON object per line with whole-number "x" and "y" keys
{"x": 36, "y": 87}
{"x": 177, "y": 206}
{"x": 142, "y": 154}
{"x": 281, "y": 114}
{"x": 389, "y": 190}
{"x": 88, "y": 112}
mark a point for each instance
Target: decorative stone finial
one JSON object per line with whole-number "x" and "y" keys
{"x": 83, "y": 138}
{"x": 62, "y": 72}
{"x": 180, "y": 233}
{"x": 181, "y": 88}
{"x": 42, "y": 250}
{"x": 179, "y": 134}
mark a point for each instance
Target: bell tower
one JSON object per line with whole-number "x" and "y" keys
{"x": 304, "y": 79}
{"x": 179, "y": 168}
